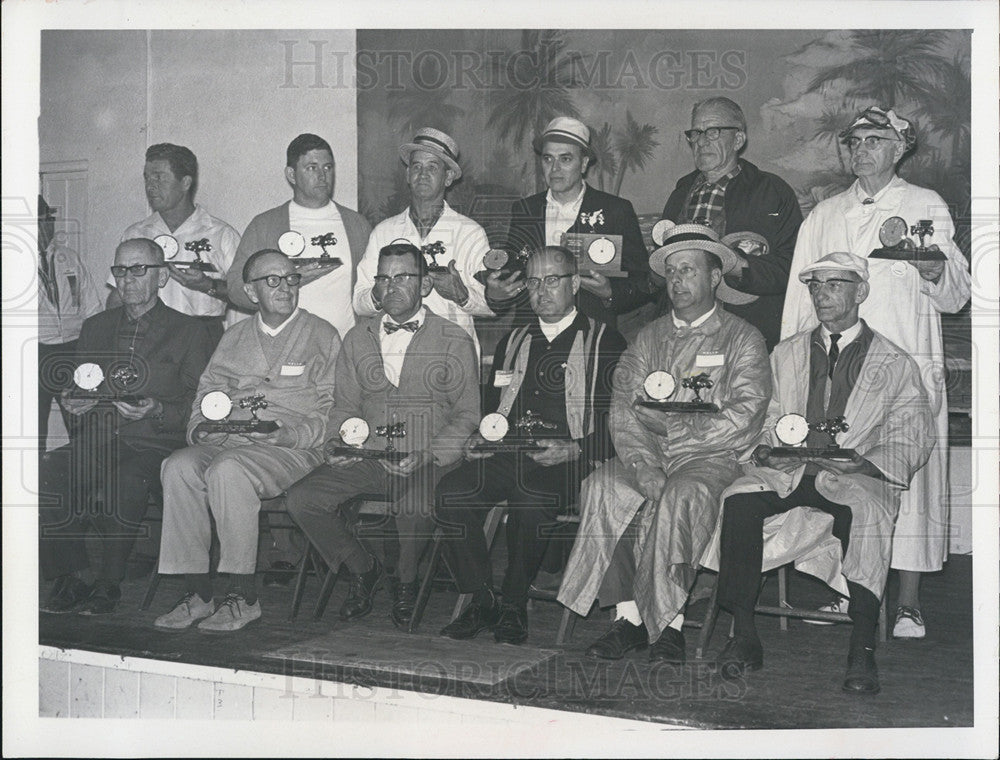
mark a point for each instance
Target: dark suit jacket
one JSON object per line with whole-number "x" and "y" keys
{"x": 758, "y": 202}
{"x": 527, "y": 228}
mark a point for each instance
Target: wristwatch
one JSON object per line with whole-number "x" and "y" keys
{"x": 213, "y": 291}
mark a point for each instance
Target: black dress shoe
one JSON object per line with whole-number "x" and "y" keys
{"x": 473, "y": 620}
{"x": 363, "y": 588}
{"x": 103, "y": 600}
{"x": 68, "y": 593}
{"x": 669, "y": 647}
{"x": 404, "y": 602}
{"x": 280, "y": 573}
{"x": 862, "y": 674}
{"x": 512, "y": 627}
{"x": 740, "y": 654}
{"x": 621, "y": 639}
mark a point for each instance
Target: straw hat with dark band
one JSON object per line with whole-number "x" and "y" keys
{"x": 687, "y": 237}
{"x": 436, "y": 142}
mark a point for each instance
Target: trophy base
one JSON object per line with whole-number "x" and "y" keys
{"x": 803, "y": 452}
{"x": 501, "y": 447}
{"x": 326, "y": 261}
{"x": 686, "y": 407}
{"x": 201, "y": 266}
{"x": 240, "y": 427}
{"x": 106, "y": 398}
{"x": 437, "y": 269}
{"x": 903, "y": 254}
{"x": 390, "y": 455}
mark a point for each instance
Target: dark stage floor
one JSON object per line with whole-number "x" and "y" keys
{"x": 924, "y": 683}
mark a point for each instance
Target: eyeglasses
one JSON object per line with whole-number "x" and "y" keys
{"x": 871, "y": 141}
{"x": 834, "y": 285}
{"x": 273, "y": 280}
{"x": 136, "y": 270}
{"x": 399, "y": 280}
{"x": 712, "y": 133}
{"x": 550, "y": 280}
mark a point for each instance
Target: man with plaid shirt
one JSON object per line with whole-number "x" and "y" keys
{"x": 731, "y": 195}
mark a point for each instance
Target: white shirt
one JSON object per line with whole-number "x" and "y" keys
{"x": 846, "y": 337}
{"x": 559, "y": 217}
{"x": 222, "y": 238}
{"x": 678, "y": 322}
{"x": 464, "y": 242}
{"x": 78, "y": 297}
{"x": 394, "y": 346}
{"x": 329, "y": 296}
{"x": 275, "y": 331}
{"x": 551, "y": 330}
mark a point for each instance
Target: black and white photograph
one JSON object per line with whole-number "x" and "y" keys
{"x": 461, "y": 380}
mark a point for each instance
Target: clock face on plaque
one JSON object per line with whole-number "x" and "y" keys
{"x": 660, "y": 230}
{"x": 792, "y": 429}
{"x": 495, "y": 259}
{"x": 88, "y": 376}
{"x": 354, "y": 431}
{"x": 216, "y": 405}
{"x": 493, "y": 427}
{"x": 659, "y": 385}
{"x": 601, "y": 251}
{"x": 169, "y": 245}
{"x": 291, "y": 243}
{"x": 892, "y": 231}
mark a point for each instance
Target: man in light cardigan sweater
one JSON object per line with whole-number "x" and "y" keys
{"x": 410, "y": 366}
{"x": 288, "y": 355}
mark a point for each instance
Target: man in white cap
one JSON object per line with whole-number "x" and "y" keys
{"x": 732, "y": 195}
{"x": 842, "y": 368}
{"x": 456, "y": 242}
{"x": 907, "y": 301}
{"x": 649, "y": 513}
{"x": 571, "y": 205}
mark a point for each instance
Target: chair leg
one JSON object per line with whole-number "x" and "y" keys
{"x": 493, "y": 520}
{"x": 424, "y": 594}
{"x": 883, "y": 622}
{"x": 708, "y": 624}
{"x": 329, "y": 581}
{"x": 300, "y": 580}
{"x": 783, "y": 595}
{"x": 154, "y": 582}
{"x": 566, "y": 626}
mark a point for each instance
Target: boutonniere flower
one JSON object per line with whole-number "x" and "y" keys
{"x": 593, "y": 219}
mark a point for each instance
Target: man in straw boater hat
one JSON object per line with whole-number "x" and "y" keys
{"x": 841, "y": 368}
{"x": 649, "y": 513}
{"x": 569, "y": 204}
{"x": 457, "y": 242}
{"x": 908, "y": 298}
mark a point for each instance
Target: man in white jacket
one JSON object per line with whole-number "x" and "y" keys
{"x": 842, "y": 368}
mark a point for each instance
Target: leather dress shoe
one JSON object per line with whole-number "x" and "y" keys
{"x": 280, "y": 573}
{"x": 68, "y": 592}
{"x": 669, "y": 647}
{"x": 862, "y": 674}
{"x": 103, "y": 600}
{"x": 473, "y": 620}
{"x": 363, "y": 588}
{"x": 404, "y": 603}
{"x": 512, "y": 627}
{"x": 622, "y": 638}
{"x": 740, "y": 654}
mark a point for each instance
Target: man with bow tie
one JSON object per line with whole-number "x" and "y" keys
{"x": 407, "y": 366}
{"x": 908, "y": 299}
{"x": 649, "y": 513}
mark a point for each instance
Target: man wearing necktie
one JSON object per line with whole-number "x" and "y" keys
{"x": 908, "y": 299}
{"x": 648, "y": 514}
{"x": 842, "y": 368}
{"x": 408, "y": 366}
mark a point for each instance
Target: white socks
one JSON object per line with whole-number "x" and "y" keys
{"x": 628, "y": 610}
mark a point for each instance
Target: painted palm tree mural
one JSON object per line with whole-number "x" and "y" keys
{"x": 606, "y": 163}
{"x": 413, "y": 108}
{"x": 635, "y": 146}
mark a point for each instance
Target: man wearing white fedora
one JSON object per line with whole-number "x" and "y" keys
{"x": 571, "y": 205}
{"x": 448, "y": 238}
{"x": 649, "y": 513}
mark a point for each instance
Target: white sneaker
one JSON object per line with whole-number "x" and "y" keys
{"x": 232, "y": 614}
{"x": 909, "y": 624}
{"x": 188, "y": 610}
{"x": 837, "y": 605}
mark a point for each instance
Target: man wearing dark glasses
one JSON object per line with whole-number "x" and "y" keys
{"x": 150, "y": 358}
{"x": 730, "y": 194}
{"x": 286, "y": 356}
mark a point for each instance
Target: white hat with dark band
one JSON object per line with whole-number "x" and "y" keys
{"x": 436, "y": 142}
{"x": 565, "y": 129}
{"x": 698, "y": 237}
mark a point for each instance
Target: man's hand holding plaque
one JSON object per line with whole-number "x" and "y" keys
{"x": 898, "y": 247}
{"x": 292, "y": 244}
{"x": 793, "y": 429}
{"x": 504, "y": 272}
{"x": 353, "y": 434}
{"x": 494, "y": 428}
{"x": 216, "y": 407}
{"x": 171, "y": 248}
{"x": 659, "y": 385}
{"x": 88, "y": 377}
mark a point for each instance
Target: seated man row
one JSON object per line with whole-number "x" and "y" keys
{"x": 649, "y": 513}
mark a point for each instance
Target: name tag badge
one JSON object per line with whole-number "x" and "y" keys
{"x": 503, "y": 378}
{"x": 710, "y": 360}
{"x": 292, "y": 370}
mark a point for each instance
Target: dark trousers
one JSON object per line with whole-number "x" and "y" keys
{"x": 534, "y": 496}
{"x": 99, "y": 484}
{"x": 56, "y": 363}
{"x": 742, "y": 551}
